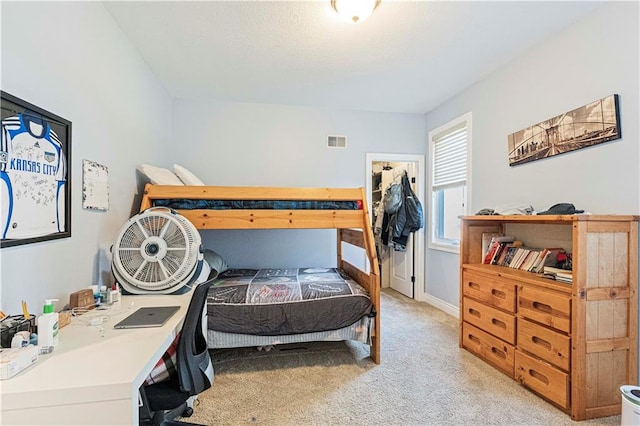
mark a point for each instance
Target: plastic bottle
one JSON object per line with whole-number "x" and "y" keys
{"x": 48, "y": 325}
{"x": 103, "y": 294}
{"x": 96, "y": 294}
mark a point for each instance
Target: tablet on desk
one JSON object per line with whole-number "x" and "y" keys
{"x": 154, "y": 316}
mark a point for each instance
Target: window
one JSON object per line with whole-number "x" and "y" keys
{"x": 449, "y": 153}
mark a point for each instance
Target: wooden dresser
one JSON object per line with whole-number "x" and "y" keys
{"x": 572, "y": 344}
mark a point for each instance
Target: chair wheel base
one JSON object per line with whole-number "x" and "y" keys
{"x": 188, "y": 412}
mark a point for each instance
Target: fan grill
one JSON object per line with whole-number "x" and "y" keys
{"x": 153, "y": 224}
{"x": 157, "y": 251}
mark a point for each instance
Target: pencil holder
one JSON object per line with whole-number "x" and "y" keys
{"x": 10, "y": 325}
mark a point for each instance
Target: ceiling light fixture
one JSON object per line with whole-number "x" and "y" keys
{"x": 354, "y": 11}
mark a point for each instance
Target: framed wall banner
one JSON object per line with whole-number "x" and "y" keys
{"x": 35, "y": 174}
{"x": 591, "y": 124}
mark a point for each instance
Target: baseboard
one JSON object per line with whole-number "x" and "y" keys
{"x": 442, "y": 305}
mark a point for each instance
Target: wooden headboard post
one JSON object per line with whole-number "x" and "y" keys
{"x": 374, "y": 275}
{"x": 146, "y": 201}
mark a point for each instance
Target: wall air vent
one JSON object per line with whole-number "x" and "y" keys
{"x": 336, "y": 141}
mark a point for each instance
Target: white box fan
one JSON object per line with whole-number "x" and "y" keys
{"x": 158, "y": 251}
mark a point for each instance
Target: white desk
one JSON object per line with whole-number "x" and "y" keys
{"x": 90, "y": 379}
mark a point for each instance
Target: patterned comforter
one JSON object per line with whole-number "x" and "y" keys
{"x": 271, "y": 302}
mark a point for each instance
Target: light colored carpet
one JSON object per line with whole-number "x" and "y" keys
{"x": 423, "y": 379}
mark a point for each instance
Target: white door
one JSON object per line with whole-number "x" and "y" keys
{"x": 402, "y": 271}
{"x": 402, "y": 262}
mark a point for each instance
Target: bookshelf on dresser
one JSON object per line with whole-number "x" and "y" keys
{"x": 573, "y": 344}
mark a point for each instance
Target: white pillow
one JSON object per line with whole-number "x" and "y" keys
{"x": 186, "y": 176}
{"x": 159, "y": 176}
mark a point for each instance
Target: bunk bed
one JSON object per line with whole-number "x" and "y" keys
{"x": 343, "y": 209}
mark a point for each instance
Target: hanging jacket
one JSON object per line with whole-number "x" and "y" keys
{"x": 391, "y": 203}
{"x": 413, "y": 208}
{"x": 393, "y": 198}
{"x": 409, "y": 217}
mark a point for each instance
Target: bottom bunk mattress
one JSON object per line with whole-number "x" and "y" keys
{"x": 359, "y": 331}
{"x": 280, "y": 302}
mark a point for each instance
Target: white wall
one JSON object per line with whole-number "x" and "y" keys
{"x": 272, "y": 145}
{"x": 594, "y": 58}
{"x": 71, "y": 59}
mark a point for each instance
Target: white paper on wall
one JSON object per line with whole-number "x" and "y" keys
{"x": 95, "y": 186}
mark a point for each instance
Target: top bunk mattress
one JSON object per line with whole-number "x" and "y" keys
{"x": 272, "y": 302}
{"x": 190, "y": 204}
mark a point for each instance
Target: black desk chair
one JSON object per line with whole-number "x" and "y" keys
{"x": 164, "y": 401}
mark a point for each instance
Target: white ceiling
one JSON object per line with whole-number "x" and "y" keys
{"x": 407, "y": 57}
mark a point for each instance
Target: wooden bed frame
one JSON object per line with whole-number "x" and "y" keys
{"x": 353, "y": 226}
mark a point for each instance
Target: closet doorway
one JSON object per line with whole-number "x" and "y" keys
{"x": 403, "y": 271}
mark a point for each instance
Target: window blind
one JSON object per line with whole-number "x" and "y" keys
{"x": 450, "y": 158}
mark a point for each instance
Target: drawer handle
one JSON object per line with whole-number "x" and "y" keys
{"x": 541, "y": 342}
{"x": 498, "y": 293}
{"x": 498, "y": 323}
{"x": 473, "y": 338}
{"x": 542, "y": 307}
{"x": 473, "y": 285}
{"x": 498, "y": 352}
{"x": 474, "y": 312}
{"x": 538, "y": 376}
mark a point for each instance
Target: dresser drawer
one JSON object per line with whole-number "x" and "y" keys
{"x": 547, "y": 344}
{"x": 493, "y": 291}
{"x": 542, "y": 378}
{"x": 489, "y": 348}
{"x": 491, "y": 320}
{"x": 546, "y": 307}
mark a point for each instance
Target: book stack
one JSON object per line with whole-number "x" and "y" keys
{"x": 487, "y": 241}
{"x": 505, "y": 250}
{"x": 496, "y": 251}
{"x": 535, "y": 259}
{"x": 558, "y": 274}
